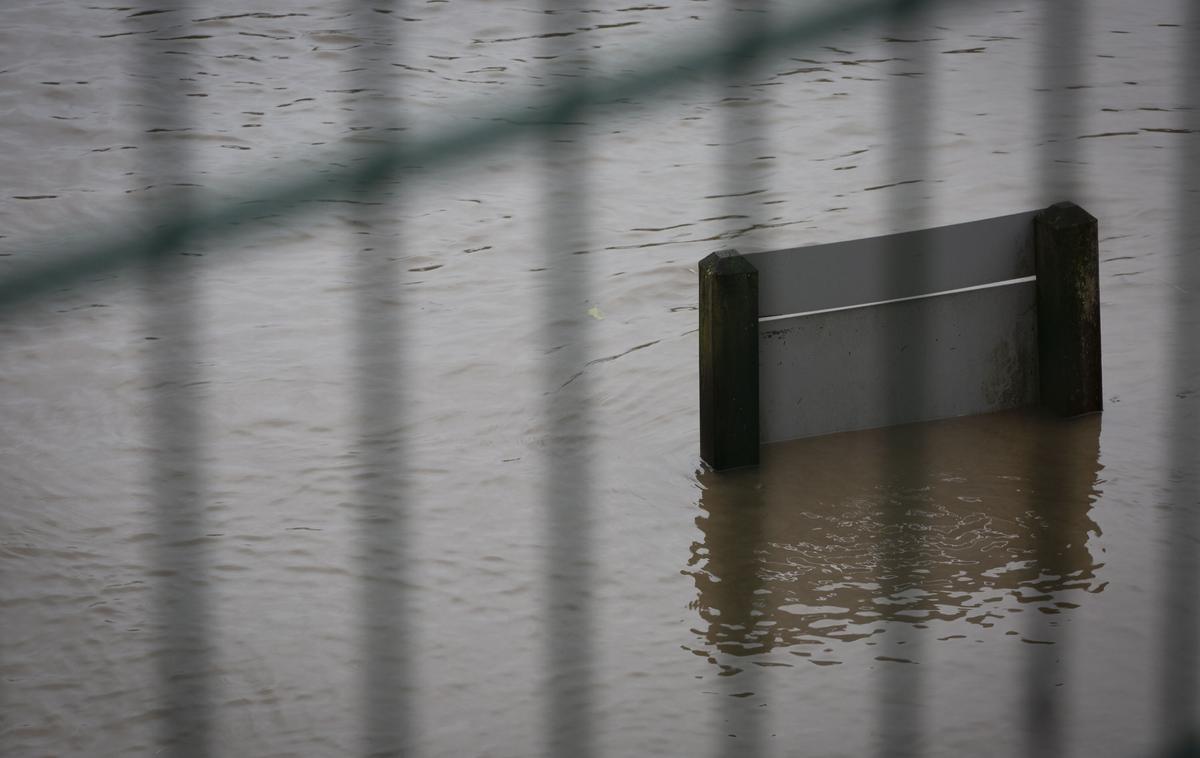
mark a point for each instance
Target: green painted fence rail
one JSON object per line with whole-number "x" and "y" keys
{"x": 39, "y": 273}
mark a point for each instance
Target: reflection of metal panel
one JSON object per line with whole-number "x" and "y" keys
{"x": 864, "y": 271}
{"x": 796, "y": 552}
{"x": 895, "y": 363}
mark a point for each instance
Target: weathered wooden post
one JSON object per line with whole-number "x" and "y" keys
{"x": 728, "y": 360}
{"x": 1068, "y": 309}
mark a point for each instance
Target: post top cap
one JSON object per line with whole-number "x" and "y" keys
{"x": 724, "y": 262}
{"x": 1065, "y": 214}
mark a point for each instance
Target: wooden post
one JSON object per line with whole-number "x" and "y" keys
{"x": 728, "y": 360}
{"x": 1068, "y": 309}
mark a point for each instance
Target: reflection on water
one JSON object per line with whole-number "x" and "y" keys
{"x": 793, "y": 554}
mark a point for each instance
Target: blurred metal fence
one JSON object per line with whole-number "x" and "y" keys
{"x": 381, "y": 367}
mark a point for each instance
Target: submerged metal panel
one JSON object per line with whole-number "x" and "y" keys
{"x": 843, "y": 370}
{"x": 858, "y": 271}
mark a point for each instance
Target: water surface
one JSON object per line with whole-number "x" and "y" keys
{"x": 781, "y": 610}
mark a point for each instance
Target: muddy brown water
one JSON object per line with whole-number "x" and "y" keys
{"x": 813, "y": 606}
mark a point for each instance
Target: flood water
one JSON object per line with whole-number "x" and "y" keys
{"x": 826, "y": 603}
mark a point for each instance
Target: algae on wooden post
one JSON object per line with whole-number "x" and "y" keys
{"x": 1068, "y": 311}
{"x": 728, "y": 360}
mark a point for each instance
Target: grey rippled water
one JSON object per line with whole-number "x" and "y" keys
{"x": 746, "y": 613}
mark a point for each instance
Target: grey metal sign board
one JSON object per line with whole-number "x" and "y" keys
{"x": 952, "y": 321}
{"x": 895, "y": 266}
{"x": 913, "y": 360}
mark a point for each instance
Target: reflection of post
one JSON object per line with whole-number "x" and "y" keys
{"x": 728, "y": 360}
{"x": 734, "y": 576}
{"x": 1062, "y": 487}
{"x": 799, "y": 567}
{"x": 1055, "y": 476}
{"x": 731, "y": 578}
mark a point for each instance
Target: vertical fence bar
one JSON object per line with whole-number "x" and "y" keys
{"x": 569, "y": 714}
{"x": 742, "y": 731}
{"x": 902, "y": 553}
{"x": 1063, "y": 23}
{"x": 1062, "y": 72}
{"x": 388, "y": 719}
{"x": 1180, "y": 658}
{"x": 176, "y": 481}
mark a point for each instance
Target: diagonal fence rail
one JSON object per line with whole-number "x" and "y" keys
{"x": 207, "y": 221}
